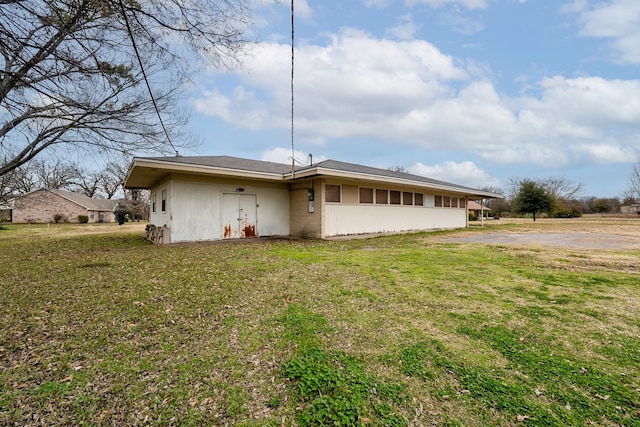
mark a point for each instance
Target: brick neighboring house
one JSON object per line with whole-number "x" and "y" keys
{"x": 43, "y": 204}
{"x": 478, "y": 209}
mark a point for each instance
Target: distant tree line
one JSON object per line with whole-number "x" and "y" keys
{"x": 560, "y": 198}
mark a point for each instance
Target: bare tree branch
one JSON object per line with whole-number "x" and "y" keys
{"x": 69, "y": 77}
{"x": 634, "y": 182}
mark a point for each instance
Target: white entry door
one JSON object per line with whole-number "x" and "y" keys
{"x": 239, "y": 216}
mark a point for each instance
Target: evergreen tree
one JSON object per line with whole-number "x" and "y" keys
{"x": 533, "y": 198}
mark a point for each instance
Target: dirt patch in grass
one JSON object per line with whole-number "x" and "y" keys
{"x": 589, "y": 233}
{"x": 590, "y": 240}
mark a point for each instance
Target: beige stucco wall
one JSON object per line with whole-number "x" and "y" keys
{"x": 342, "y": 220}
{"x": 194, "y": 207}
{"x": 350, "y": 217}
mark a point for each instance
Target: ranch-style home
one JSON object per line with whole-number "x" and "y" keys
{"x": 46, "y": 204}
{"x": 220, "y": 197}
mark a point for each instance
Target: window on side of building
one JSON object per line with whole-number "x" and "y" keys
{"x": 438, "y": 203}
{"x": 407, "y": 198}
{"x": 332, "y": 193}
{"x": 462, "y": 203}
{"x": 446, "y": 201}
{"x": 153, "y": 203}
{"x": 382, "y": 197}
{"x": 366, "y": 195}
{"x": 164, "y": 200}
{"x": 418, "y": 199}
{"x": 394, "y": 197}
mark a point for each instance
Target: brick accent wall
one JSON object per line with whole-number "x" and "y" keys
{"x": 42, "y": 205}
{"x": 303, "y": 223}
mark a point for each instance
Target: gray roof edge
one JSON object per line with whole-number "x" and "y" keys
{"x": 385, "y": 173}
{"x": 82, "y": 199}
{"x": 284, "y": 170}
{"x": 225, "y": 162}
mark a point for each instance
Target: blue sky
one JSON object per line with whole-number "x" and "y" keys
{"x": 474, "y": 92}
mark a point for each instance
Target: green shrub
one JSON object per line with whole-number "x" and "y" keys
{"x": 57, "y": 218}
{"x": 123, "y": 213}
{"x": 83, "y": 219}
{"x": 472, "y": 216}
{"x": 568, "y": 213}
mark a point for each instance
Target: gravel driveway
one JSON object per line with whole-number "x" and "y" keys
{"x": 572, "y": 240}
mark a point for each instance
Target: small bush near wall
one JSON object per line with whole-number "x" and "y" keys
{"x": 123, "y": 213}
{"x": 83, "y": 219}
{"x": 57, "y": 218}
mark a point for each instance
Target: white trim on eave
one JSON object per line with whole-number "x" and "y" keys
{"x": 320, "y": 171}
{"x": 204, "y": 170}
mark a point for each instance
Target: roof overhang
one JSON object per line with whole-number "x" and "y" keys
{"x": 146, "y": 173}
{"x": 471, "y": 193}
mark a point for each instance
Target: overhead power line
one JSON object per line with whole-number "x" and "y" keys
{"x": 293, "y": 151}
{"x": 144, "y": 75}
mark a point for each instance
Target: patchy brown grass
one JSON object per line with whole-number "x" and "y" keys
{"x": 99, "y": 327}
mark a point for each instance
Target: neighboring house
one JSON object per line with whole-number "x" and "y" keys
{"x": 44, "y": 204}
{"x": 5, "y": 214}
{"x": 478, "y": 209}
{"x": 220, "y": 197}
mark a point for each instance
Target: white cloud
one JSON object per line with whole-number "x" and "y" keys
{"x": 377, "y": 4}
{"x": 302, "y": 9}
{"x": 469, "y": 4}
{"x": 283, "y": 155}
{"x": 617, "y": 20}
{"x": 339, "y": 88}
{"x": 575, "y": 6}
{"x": 254, "y": 114}
{"x": 405, "y": 29}
{"x": 593, "y": 101}
{"x": 357, "y": 87}
{"x": 214, "y": 101}
{"x": 605, "y": 153}
{"x": 461, "y": 23}
{"x": 466, "y": 173}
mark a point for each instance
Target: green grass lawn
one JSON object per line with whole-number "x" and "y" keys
{"x": 103, "y": 328}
